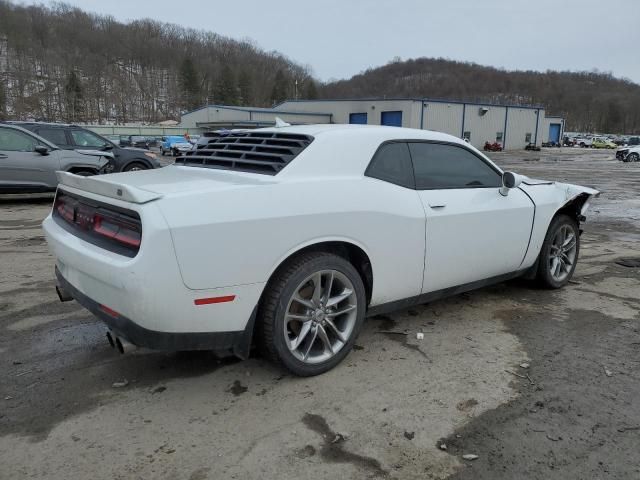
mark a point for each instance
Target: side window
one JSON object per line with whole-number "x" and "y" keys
{"x": 439, "y": 166}
{"x": 57, "y": 136}
{"x": 84, "y": 138}
{"x": 14, "y": 141}
{"x": 392, "y": 163}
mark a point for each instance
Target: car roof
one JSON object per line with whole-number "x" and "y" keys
{"x": 44, "y": 124}
{"x": 44, "y": 141}
{"x": 374, "y": 132}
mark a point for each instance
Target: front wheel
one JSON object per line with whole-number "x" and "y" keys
{"x": 633, "y": 157}
{"x": 134, "y": 167}
{"x": 312, "y": 313}
{"x": 559, "y": 253}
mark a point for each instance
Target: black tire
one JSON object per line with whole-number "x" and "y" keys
{"x": 271, "y": 326}
{"x": 85, "y": 173}
{"x": 544, "y": 276}
{"x": 633, "y": 157}
{"x": 162, "y": 151}
{"x": 134, "y": 166}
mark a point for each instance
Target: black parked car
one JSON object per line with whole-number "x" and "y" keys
{"x": 72, "y": 137}
{"x": 137, "y": 141}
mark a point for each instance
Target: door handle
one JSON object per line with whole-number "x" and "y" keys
{"x": 2, "y": 155}
{"x": 437, "y": 205}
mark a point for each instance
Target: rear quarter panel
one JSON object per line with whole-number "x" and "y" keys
{"x": 241, "y": 235}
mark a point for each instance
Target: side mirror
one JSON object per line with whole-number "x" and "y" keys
{"x": 510, "y": 180}
{"x": 107, "y": 146}
{"x": 41, "y": 149}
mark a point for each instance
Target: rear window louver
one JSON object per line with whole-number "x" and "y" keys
{"x": 256, "y": 152}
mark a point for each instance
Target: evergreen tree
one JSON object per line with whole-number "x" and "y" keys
{"x": 74, "y": 98}
{"x": 311, "y": 90}
{"x": 189, "y": 84}
{"x": 3, "y": 101}
{"x": 226, "y": 92}
{"x": 280, "y": 90}
{"x": 245, "y": 88}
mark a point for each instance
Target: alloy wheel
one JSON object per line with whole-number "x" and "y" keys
{"x": 562, "y": 254}
{"x": 320, "y": 316}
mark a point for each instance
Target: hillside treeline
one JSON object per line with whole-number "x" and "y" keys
{"x": 590, "y": 101}
{"x": 61, "y": 63}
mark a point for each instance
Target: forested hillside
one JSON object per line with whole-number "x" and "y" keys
{"x": 62, "y": 63}
{"x": 591, "y": 102}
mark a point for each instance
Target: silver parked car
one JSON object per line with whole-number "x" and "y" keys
{"x": 28, "y": 163}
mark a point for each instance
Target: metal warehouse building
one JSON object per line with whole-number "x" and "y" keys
{"x": 511, "y": 125}
{"x": 225, "y": 116}
{"x": 553, "y": 129}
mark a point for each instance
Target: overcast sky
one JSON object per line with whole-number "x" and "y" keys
{"x": 339, "y": 38}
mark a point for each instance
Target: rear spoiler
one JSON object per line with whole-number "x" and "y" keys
{"x": 107, "y": 188}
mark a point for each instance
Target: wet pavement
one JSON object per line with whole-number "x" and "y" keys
{"x": 383, "y": 413}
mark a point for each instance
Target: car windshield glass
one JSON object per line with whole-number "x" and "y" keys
{"x": 84, "y": 138}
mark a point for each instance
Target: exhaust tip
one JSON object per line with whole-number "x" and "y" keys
{"x": 111, "y": 340}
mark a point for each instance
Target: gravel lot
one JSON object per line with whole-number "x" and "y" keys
{"x": 384, "y": 413}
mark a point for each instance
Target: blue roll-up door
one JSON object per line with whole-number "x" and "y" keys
{"x": 554, "y": 132}
{"x": 392, "y": 119}
{"x": 358, "y": 118}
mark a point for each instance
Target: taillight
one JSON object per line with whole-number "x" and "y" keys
{"x": 65, "y": 210}
{"x": 117, "y": 230}
{"x": 107, "y": 226}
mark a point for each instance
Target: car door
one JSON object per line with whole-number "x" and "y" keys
{"x": 473, "y": 232}
{"x": 20, "y": 166}
{"x": 397, "y": 242}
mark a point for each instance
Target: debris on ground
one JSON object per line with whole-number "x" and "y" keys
{"x": 524, "y": 365}
{"x": 607, "y": 372}
{"x": 470, "y": 456}
{"x": 420, "y": 336}
{"x": 409, "y": 435}
{"x": 629, "y": 262}
{"x": 339, "y": 438}
{"x": 121, "y": 384}
{"x": 443, "y": 446}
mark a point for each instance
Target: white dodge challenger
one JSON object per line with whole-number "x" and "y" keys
{"x": 287, "y": 238}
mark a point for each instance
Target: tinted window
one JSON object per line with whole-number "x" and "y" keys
{"x": 54, "y": 135}
{"x": 447, "y": 166}
{"x": 392, "y": 163}
{"x": 14, "y": 141}
{"x": 84, "y": 138}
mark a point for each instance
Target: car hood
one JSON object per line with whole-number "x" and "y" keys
{"x": 135, "y": 149}
{"x": 147, "y": 185}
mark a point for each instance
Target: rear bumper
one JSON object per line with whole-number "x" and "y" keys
{"x": 237, "y": 343}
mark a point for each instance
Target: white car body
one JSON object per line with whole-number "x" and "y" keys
{"x": 212, "y": 238}
{"x": 623, "y": 152}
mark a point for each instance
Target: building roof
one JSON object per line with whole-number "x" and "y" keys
{"x": 414, "y": 99}
{"x": 255, "y": 110}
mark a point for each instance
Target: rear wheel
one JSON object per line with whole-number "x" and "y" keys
{"x": 559, "y": 253}
{"x": 312, "y": 313}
